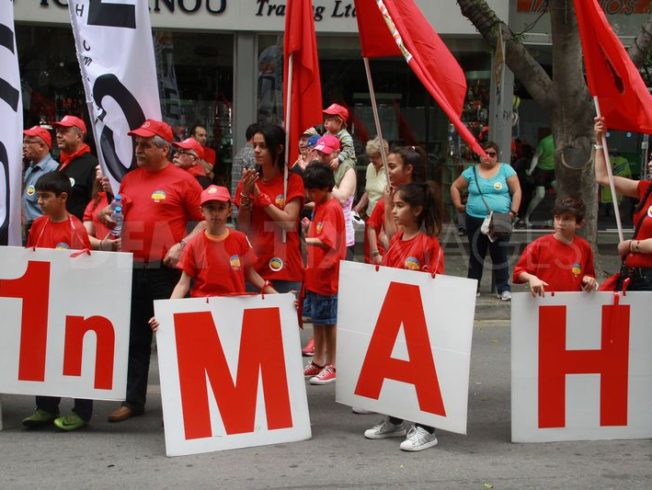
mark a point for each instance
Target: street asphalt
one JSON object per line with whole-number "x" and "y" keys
{"x": 131, "y": 454}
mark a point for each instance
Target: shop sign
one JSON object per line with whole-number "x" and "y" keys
{"x": 612, "y": 7}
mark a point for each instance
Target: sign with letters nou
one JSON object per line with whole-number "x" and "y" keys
{"x": 581, "y": 367}
{"x": 231, "y": 373}
{"x": 404, "y": 344}
{"x": 65, "y": 323}
{"x": 115, "y": 50}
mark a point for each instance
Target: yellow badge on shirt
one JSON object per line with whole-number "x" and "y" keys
{"x": 576, "y": 269}
{"x": 498, "y": 186}
{"x": 319, "y": 227}
{"x": 30, "y": 190}
{"x": 235, "y": 262}
{"x": 649, "y": 212}
{"x": 412, "y": 264}
{"x": 280, "y": 201}
{"x": 158, "y": 196}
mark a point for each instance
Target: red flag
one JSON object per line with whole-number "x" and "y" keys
{"x": 305, "y": 100}
{"x": 624, "y": 99}
{"x": 398, "y": 28}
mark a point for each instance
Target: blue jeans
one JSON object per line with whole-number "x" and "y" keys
{"x": 478, "y": 244}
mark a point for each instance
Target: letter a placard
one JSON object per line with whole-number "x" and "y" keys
{"x": 65, "y": 323}
{"x": 404, "y": 344}
{"x": 231, "y": 373}
{"x": 581, "y": 367}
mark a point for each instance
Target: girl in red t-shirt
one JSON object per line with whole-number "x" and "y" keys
{"x": 417, "y": 212}
{"x": 269, "y": 213}
{"x": 218, "y": 261}
{"x": 404, "y": 165}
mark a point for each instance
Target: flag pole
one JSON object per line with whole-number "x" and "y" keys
{"x": 374, "y": 108}
{"x": 612, "y": 186}
{"x": 288, "y": 109}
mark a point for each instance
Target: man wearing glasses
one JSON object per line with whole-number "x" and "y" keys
{"x": 37, "y": 143}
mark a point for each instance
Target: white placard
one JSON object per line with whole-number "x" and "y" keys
{"x": 11, "y": 130}
{"x": 116, "y": 57}
{"x": 581, "y": 367}
{"x": 404, "y": 344}
{"x": 65, "y": 323}
{"x": 231, "y": 373}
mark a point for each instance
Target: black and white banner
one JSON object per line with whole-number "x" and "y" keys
{"x": 11, "y": 129}
{"x": 116, "y": 57}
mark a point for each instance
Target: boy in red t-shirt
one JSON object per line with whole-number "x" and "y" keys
{"x": 562, "y": 261}
{"x": 60, "y": 230}
{"x": 219, "y": 260}
{"x": 326, "y": 244}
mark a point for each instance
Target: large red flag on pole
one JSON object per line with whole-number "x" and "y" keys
{"x": 398, "y": 28}
{"x": 303, "y": 106}
{"x": 624, "y": 100}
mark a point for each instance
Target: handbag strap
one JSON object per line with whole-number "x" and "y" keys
{"x": 475, "y": 175}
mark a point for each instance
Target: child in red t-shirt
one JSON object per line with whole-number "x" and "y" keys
{"x": 60, "y": 230}
{"x": 417, "y": 211}
{"x": 218, "y": 261}
{"x": 326, "y": 244}
{"x": 561, "y": 261}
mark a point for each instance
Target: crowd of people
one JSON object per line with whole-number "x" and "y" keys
{"x": 292, "y": 229}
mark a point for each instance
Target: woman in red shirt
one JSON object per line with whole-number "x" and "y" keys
{"x": 637, "y": 252}
{"x": 269, "y": 214}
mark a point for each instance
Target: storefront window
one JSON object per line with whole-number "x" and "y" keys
{"x": 195, "y": 73}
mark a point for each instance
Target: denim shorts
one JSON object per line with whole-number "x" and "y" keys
{"x": 322, "y": 309}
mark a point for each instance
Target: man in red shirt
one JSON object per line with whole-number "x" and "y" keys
{"x": 159, "y": 200}
{"x": 77, "y": 162}
{"x": 208, "y": 160}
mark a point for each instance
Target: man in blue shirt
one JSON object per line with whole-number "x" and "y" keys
{"x": 37, "y": 143}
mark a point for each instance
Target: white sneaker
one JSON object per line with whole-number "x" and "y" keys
{"x": 361, "y": 411}
{"x": 386, "y": 429}
{"x": 418, "y": 439}
{"x": 504, "y": 296}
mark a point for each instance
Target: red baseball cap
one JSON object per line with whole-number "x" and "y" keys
{"x": 328, "y": 144}
{"x": 191, "y": 144}
{"x": 70, "y": 122}
{"x": 337, "y": 110}
{"x": 215, "y": 193}
{"x": 151, "y": 128}
{"x": 40, "y": 132}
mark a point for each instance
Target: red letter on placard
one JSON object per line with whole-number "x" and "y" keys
{"x": 200, "y": 354}
{"x": 402, "y": 306}
{"x": 76, "y": 328}
{"x": 611, "y": 362}
{"x": 33, "y": 287}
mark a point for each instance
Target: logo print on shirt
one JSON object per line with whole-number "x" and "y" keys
{"x": 30, "y": 190}
{"x": 576, "y": 269}
{"x": 649, "y": 212}
{"x": 319, "y": 227}
{"x": 235, "y": 262}
{"x": 412, "y": 264}
{"x": 276, "y": 264}
{"x": 280, "y": 201}
{"x": 62, "y": 246}
{"x": 498, "y": 186}
{"x": 158, "y": 196}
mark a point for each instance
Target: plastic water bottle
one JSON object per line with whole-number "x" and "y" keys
{"x": 119, "y": 218}
{"x": 117, "y": 201}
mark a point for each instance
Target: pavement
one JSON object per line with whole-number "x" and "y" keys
{"x": 132, "y": 454}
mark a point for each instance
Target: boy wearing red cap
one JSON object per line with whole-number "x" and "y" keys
{"x": 335, "y": 117}
{"x": 37, "y": 143}
{"x": 219, "y": 260}
{"x": 77, "y": 162}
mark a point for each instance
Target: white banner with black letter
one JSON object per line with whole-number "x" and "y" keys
{"x": 116, "y": 57}
{"x": 11, "y": 129}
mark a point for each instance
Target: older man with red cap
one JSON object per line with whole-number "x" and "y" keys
{"x": 159, "y": 200}
{"x": 77, "y": 162}
{"x": 37, "y": 143}
{"x": 188, "y": 154}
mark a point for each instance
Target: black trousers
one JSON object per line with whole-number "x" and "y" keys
{"x": 149, "y": 282}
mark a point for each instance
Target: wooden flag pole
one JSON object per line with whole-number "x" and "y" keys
{"x": 374, "y": 108}
{"x": 612, "y": 186}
